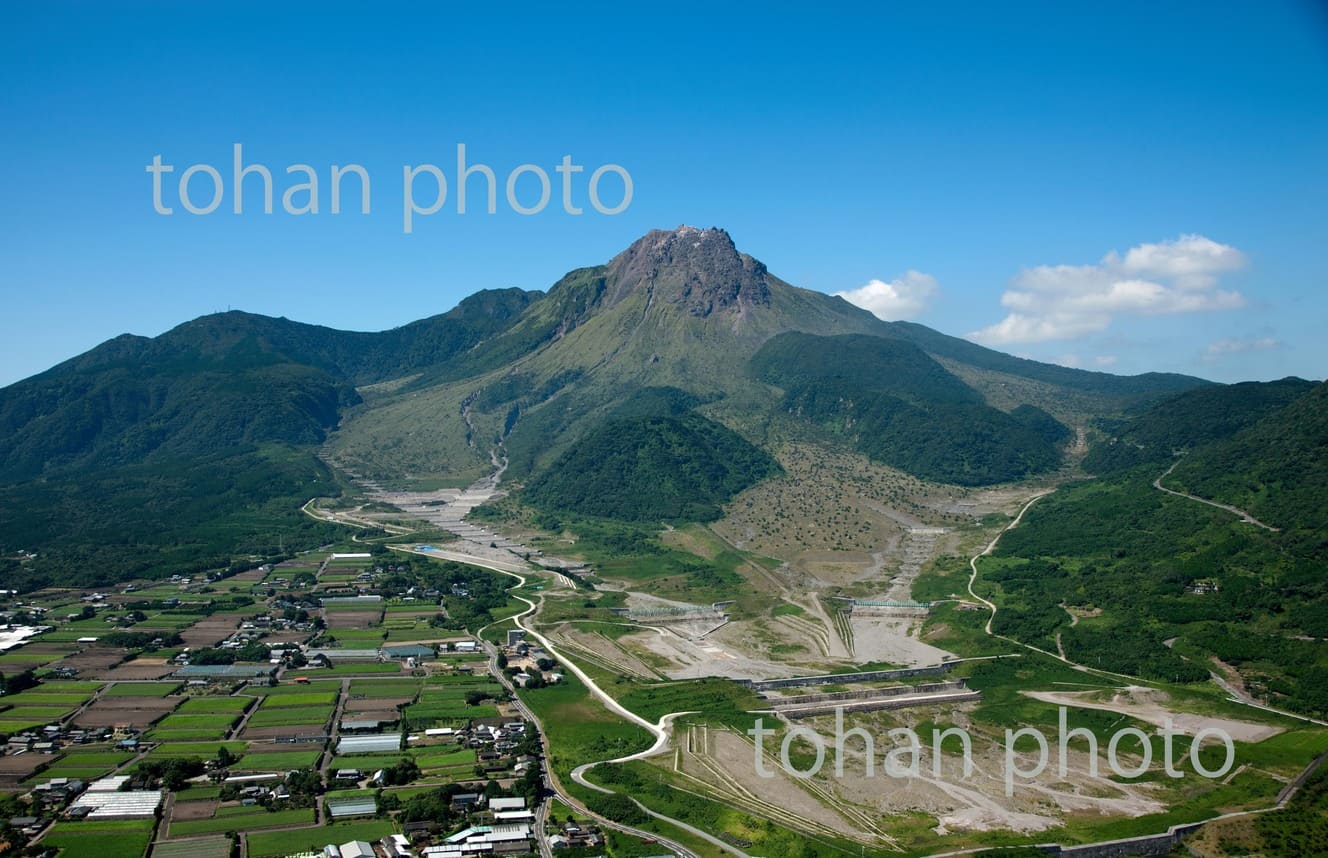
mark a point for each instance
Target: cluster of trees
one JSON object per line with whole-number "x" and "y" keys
{"x": 139, "y": 640}
{"x": 1276, "y": 469}
{"x": 670, "y": 468}
{"x": 1301, "y": 828}
{"x": 172, "y": 773}
{"x": 485, "y": 591}
{"x": 402, "y": 772}
{"x": 252, "y": 651}
{"x": 1188, "y": 421}
{"x": 1164, "y": 569}
{"x": 13, "y": 683}
{"x": 900, "y": 407}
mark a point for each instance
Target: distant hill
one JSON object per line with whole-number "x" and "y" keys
{"x": 652, "y": 469}
{"x": 1277, "y": 469}
{"x": 150, "y": 456}
{"x": 1189, "y": 421}
{"x": 900, "y": 407}
{"x": 1160, "y": 584}
{"x": 219, "y": 382}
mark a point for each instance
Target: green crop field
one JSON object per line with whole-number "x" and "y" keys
{"x": 55, "y": 698}
{"x": 25, "y": 659}
{"x": 446, "y": 703}
{"x": 292, "y": 716}
{"x": 220, "y": 721}
{"x": 236, "y": 818}
{"x": 384, "y": 687}
{"x": 91, "y": 760}
{"x": 142, "y": 689}
{"x": 274, "y": 844}
{"x": 288, "y": 687}
{"x": 305, "y": 698}
{"x": 351, "y": 668}
{"x": 198, "y": 847}
{"x": 38, "y": 714}
{"x": 213, "y": 705}
{"x": 203, "y": 750}
{"x": 103, "y": 838}
{"x": 17, "y": 726}
{"x": 188, "y": 734}
{"x": 277, "y": 761}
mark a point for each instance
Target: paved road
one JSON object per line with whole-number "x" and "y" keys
{"x": 333, "y": 733}
{"x": 1282, "y": 798}
{"x": 659, "y": 731}
{"x": 1237, "y": 511}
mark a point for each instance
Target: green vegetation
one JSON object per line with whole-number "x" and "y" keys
{"x": 900, "y": 407}
{"x": 274, "y": 844}
{"x": 1139, "y": 568}
{"x": 277, "y": 761}
{"x": 1188, "y": 421}
{"x": 92, "y": 529}
{"x": 142, "y": 689}
{"x": 194, "y": 444}
{"x": 453, "y": 704}
{"x": 651, "y": 469}
{"x": 643, "y": 782}
{"x": 242, "y": 819}
{"x": 107, "y": 839}
{"x": 1276, "y": 469}
{"x": 719, "y": 701}
{"x": 579, "y": 728}
{"x": 1301, "y": 828}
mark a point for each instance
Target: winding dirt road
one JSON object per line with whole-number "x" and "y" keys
{"x": 661, "y": 731}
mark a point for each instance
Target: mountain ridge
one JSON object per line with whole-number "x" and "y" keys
{"x": 530, "y": 372}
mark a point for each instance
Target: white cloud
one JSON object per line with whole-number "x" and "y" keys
{"x": 1226, "y": 346}
{"x": 1105, "y": 360}
{"x": 905, "y": 297}
{"x": 1057, "y": 302}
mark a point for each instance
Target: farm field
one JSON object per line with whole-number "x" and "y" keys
{"x": 275, "y": 844}
{"x": 239, "y": 818}
{"x": 125, "y": 688}
{"x": 104, "y": 839}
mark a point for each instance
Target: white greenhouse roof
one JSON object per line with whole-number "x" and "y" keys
{"x": 369, "y": 744}
{"x": 109, "y": 805}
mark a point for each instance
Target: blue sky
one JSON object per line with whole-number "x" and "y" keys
{"x": 1131, "y": 187}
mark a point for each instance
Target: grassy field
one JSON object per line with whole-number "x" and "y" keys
{"x": 579, "y": 728}
{"x": 213, "y": 705}
{"x": 275, "y": 844}
{"x": 105, "y": 839}
{"x": 194, "y": 749}
{"x": 199, "y": 847}
{"x": 384, "y": 687}
{"x": 285, "y": 717}
{"x": 236, "y": 818}
{"x": 278, "y": 761}
{"x": 720, "y": 701}
{"x": 300, "y": 698}
{"x": 355, "y": 669}
{"x": 142, "y": 689}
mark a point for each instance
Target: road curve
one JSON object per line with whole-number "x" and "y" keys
{"x": 661, "y": 730}
{"x": 1237, "y": 511}
{"x": 991, "y": 546}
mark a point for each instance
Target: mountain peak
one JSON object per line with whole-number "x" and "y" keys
{"x": 699, "y": 269}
